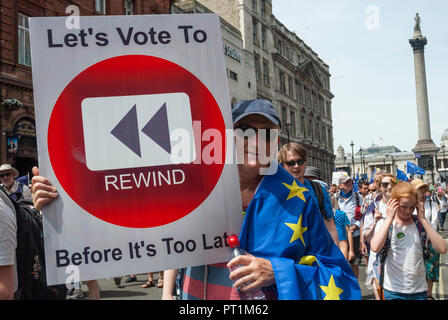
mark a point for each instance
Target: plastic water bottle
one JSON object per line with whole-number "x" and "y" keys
{"x": 255, "y": 294}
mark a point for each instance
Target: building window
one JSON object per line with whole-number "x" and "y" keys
{"x": 255, "y": 30}
{"x": 263, "y": 37}
{"x": 266, "y": 77}
{"x": 24, "y": 41}
{"x": 100, "y": 6}
{"x": 281, "y": 76}
{"x": 284, "y": 118}
{"x": 263, "y": 8}
{"x": 290, "y": 87}
{"x": 233, "y": 75}
{"x": 307, "y": 97}
{"x": 254, "y": 5}
{"x": 302, "y": 124}
{"x": 311, "y": 130}
{"x": 128, "y": 7}
{"x": 257, "y": 67}
{"x": 292, "y": 116}
{"x": 300, "y": 92}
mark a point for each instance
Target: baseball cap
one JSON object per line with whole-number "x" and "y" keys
{"x": 262, "y": 107}
{"x": 344, "y": 178}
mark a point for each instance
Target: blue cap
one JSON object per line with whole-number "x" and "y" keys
{"x": 262, "y": 107}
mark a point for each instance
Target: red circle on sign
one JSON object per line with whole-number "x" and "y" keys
{"x": 137, "y": 207}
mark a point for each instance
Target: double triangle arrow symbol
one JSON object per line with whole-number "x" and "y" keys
{"x": 157, "y": 129}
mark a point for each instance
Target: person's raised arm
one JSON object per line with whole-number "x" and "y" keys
{"x": 379, "y": 239}
{"x": 437, "y": 241}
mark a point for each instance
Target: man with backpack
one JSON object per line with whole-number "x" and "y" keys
{"x": 22, "y": 257}
{"x": 350, "y": 202}
{"x": 8, "y": 244}
{"x": 293, "y": 158}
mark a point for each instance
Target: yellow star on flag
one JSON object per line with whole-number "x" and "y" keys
{"x": 296, "y": 191}
{"x": 298, "y": 230}
{"x": 332, "y": 292}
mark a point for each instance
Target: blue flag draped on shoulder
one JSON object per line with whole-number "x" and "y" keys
{"x": 402, "y": 176}
{"x": 283, "y": 224}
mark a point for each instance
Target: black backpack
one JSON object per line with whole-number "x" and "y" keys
{"x": 30, "y": 255}
{"x": 320, "y": 196}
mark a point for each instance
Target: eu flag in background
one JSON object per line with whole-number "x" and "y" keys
{"x": 402, "y": 176}
{"x": 373, "y": 176}
{"x": 414, "y": 169}
{"x": 283, "y": 224}
{"x": 355, "y": 184}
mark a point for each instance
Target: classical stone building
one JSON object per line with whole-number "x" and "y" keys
{"x": 17, "y": 127}
{"x": 289, "y": 74}
{"x": 239, "y": 61}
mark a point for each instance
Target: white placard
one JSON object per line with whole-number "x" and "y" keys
{"x": 116, "y": 101}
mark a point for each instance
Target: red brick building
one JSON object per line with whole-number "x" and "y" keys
{"x": 17, "y": 128}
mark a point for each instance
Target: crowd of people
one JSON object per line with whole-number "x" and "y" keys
{"x": 318, "y": 235}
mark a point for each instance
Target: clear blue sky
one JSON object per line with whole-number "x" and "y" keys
{"x": 372, "y": 64}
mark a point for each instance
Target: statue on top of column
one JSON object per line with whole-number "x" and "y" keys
{"x": 417, "y": 22}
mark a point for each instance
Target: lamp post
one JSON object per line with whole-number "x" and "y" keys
{"x": 286, "y": 124}
{"x": 362, "y": 164}
{"x": 353, "y": 159}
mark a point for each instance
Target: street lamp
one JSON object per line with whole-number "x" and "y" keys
{"x": 362, "y": 160}
{"x": 286, "y": 124}
{"x": 353, "y": 159}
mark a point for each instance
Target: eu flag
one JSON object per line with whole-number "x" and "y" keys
{"x": 402, "y": 176}
{"x": 373, "y": 176}
{"x": 283, "y": 224}
{"x": 414, "y": 169}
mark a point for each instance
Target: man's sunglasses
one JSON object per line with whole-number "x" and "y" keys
{"x": 5, "y": 175}
{"x": 292, "y": 163}
{"x": 247, "y": 131}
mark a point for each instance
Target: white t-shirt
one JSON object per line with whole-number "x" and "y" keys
{"x": 404, "y": 269}
{"x": 8, "y": 235}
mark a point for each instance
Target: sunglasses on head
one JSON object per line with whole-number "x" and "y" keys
{"x": 5, "y": 174}
{"x": 247, "y": 131}
{"x": 292, "y": 163}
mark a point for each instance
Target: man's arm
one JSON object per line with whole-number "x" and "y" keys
{"x": 7, "y": 282}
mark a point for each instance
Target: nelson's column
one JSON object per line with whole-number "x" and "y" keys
{"x": 425, "y": 146}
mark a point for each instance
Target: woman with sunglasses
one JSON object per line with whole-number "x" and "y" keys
{"x": 375, "y": 213}
{"x": 293, "y": 158}
{"x": 431, "y": 215}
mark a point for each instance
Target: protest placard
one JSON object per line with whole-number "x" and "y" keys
{"x": 132, "y": 114}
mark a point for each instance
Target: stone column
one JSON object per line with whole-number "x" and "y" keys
{"x": 418, "y": 42}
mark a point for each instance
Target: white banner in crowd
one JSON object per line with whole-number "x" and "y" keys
{"x": 131, "y": 119}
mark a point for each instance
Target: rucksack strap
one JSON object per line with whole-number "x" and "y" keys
{"x": 320, "y": 196}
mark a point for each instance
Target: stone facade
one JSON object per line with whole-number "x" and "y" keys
{"x": 17, "y": 123}
{"x": 239, "y": 62}
{"x": 289, "y": 74}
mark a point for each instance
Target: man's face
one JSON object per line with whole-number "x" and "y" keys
{"x": 372, "y": 187}
{"x": 346, "y": 186}
{"x": 364, "y": 189}
{"x": 295, "y": 165}
{"x": 7, "y": 178}
{"x": 256, "y": 138}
